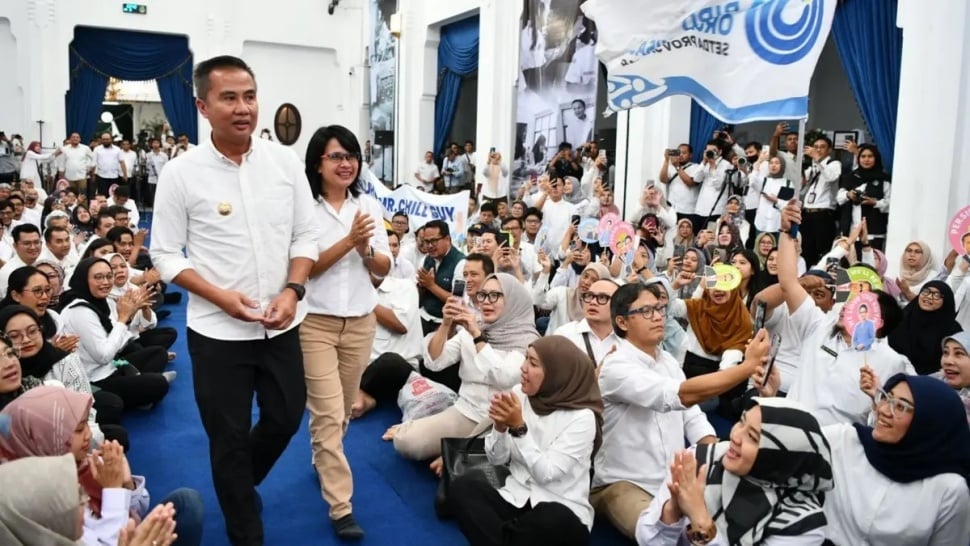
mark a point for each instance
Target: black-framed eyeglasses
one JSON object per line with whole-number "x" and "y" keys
{"x": 338, "y": 157}
{"x": 10, "y": 350}
{"x": 649, "y": 311}
{"x": 490, "y": 297}
{"x": 601, "y": 299}
{"x": 432, "y": 241}
{"x": 897, "y": 406}
{"x": 931, "y": 294}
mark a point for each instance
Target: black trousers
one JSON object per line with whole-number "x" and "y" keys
{"x": 385, "y": 377}
{"x": 161, "y": 336}
{"x": 150, "y": 359}
{"x": 134, "y": 389}
{"x": 105, "y": 183}
{"x": 818, "y": 231}
{"x": 449, "y": 376}
{"x": 226, "y": 375}
{"x": 109, "y": 407}
{"x": 486, "y": 519}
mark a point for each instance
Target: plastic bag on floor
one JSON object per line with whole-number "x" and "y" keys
{"x": 421, "y": 397}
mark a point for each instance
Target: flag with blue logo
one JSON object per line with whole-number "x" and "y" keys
{"x": 743, "y": 60}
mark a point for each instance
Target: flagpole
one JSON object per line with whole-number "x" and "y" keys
{"x": 800, "y": 153}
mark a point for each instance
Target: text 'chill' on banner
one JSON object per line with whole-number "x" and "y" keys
{"x": 743, "y": 60}
{"x": 422, "y": 207}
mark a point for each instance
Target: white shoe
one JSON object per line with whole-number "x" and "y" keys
{"x": 170, "y": 376}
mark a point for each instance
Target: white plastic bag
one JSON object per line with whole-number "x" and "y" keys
{"x": 421, "y": 397}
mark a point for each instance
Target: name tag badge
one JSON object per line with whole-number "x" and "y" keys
{"x": 224, "y": 208}
{"x": 831, "y": 352}
{"x": 811, "y": 198}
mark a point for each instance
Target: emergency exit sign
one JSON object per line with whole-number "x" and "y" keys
{"x": 140, "y": 9}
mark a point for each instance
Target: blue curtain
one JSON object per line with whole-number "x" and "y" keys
{"x": 457, "y": 58}
{"x": 702, "y": 127}
{"x": 96, "y": 54}
{"x": 871, "y": 47}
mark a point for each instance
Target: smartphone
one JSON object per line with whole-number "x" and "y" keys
{"x": 679, "y": 251}
{"x": 602, "y": 155}
{"x": 673, "y": 152}
{"x": 503, "y": 238}
{"x": 831, "y": 262}
{"x": 575, "y": 219}
{"x": 759, "y": 317}
{"x": 966, "y": 258}
{"x": 775, "y": 345}
{"x": 787, "y": 193}
{"x": 458, "y": 288}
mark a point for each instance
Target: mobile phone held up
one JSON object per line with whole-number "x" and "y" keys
{"x": 772, "y": 355}
{"x": 458, "y": 288}
{"x": 759, "y": 317}
{"x": 786, "y": 194}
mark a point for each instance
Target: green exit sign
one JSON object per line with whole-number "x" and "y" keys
{"x": 140, "y": 9}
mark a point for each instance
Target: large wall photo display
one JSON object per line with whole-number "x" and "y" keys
{"x": 556, "y": 86}
{"x": 383, "y": 71}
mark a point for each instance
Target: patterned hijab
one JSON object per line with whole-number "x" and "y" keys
{"x": 569, "y": 382}
{"x": 515, "y": 328}
{"x": 48, "y": 515}
{"x": 782, "y": 495}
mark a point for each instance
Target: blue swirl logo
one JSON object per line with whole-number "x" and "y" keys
{"x": 778, "y": 41}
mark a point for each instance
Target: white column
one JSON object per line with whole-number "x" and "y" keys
{"x": 498, "y": 50}
{"x": 932, "y": 126}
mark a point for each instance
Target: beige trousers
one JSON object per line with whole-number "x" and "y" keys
{"x": 621, "y": 503}
{"x": 335, "y": 352}
{"x": 421, "y": 439}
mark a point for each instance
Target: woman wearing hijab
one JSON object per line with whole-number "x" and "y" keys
{"x": 691, "y": 267}
{"x": 13, "y": 382}
{"x": 55, "y": 276}
{"x": 767, "y": 180}
{"x": 49, "y": 514}
{"x": 926, "y": 321}
{"x": 675, "y": 338}
{"x": 42, "y": 360}
{"x": 103, "y": 329}
{"x": 547, "y": 430}
{"x": 719, "y": 326}
{"x": 763, "y": 486}
{"x": 955, "y": 366}
{"x": 51, "y": 421}
{"x": 763, "y": 245}
{"x": 902, "y": 481}
{"x": 864, "y": 195}
{"x": 30, "y": 166}
{"x": 916, "y": 268}
{"x": 82, "y": 220}
{"x": 488, "y": 355}
{"x": 564, "y": 302}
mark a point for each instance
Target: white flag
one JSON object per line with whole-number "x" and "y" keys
{"x": 743, "y": 60}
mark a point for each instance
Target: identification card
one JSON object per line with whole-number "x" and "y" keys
{"x": 811, "y": 198}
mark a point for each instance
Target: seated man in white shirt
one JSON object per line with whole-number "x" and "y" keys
{"x": 122, "y": 198}
{"x": 27, "y": 245}
{"x": 649, "y": 406}
{"x": 594, "y": 332}
{"x": 397, "y": 344}
{"x": 827, "y": 378}
{"x": 58, "y": 247}
{"x": 401, "y": 268}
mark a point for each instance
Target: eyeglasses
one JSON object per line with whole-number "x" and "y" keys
{"x": 103, "y": 277}
{"x": 429, "y": 242}
{"x": 897, "y": 407}
{"x": 39, "y": 291}
{"x": 338, "y": 157}
{"x": 490, "y": 297}
{"x": 930, "y": 294}
{"x": 16, "y": 336}
{"x": 601, "y": 299}
{"x": 649, "y": 311}
{"x": 11, "y": 353}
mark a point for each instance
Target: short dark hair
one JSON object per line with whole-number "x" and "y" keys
{"x": 50, "y": 231}
{"x": 753, "y": 144}
{"x": 488, "y": 206}
{"x": 94, "y": 245}
{"x": 690, "y": 149}
{"x": 18, "y": 282}
{"x": 580, "y": 101}
{"x": 864, "y": 306}
{"x": 487, "y": 264}
{"x": 469, "y": 142}
{"x": 400, "y": 213}
{"x": 122, "y": 191}
{"x": 392, "y": 233}
{"x": 114, "y": 234}
{"x": 14, "y": 195}
{"x": 101, "y": 216}
{"x": 964, "y": 238}
{"x": 441, "y": 226}
{"x": 5, "y": 203}
{"x": 624, "y": 297}
{"x": 532, "y": 211}
{"x": 510, "y": 219}
{"x": 828, "y": 141}
{"x": 24, "y": 228}
{"x": 790, "y": 133}
{"x": 314, "y": 156}
{"x": 115, "y": 210}
{"x": 202, "y": 70}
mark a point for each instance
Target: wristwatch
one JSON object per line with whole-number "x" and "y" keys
{"x": 518, "y": 432}
{"x": 699, "y": 537}
{"x": 298, "y": 288}
{"x": 480, "y": 339}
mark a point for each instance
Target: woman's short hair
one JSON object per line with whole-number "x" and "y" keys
{"x": 314, "y": 156}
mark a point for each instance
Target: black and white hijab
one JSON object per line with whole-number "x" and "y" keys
{"x": 782, "y": 494}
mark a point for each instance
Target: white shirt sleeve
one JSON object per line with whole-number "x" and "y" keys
{"x": 450, "y": 353}
{"x": 646, "y": 388}
{"x": 571, "y": 447}
{"x": 101, "y": 346}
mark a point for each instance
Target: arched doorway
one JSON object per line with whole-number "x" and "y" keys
{"x": 96, "y": 54}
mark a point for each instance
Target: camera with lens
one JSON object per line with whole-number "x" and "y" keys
{"x": 742, "y": 161}
{"x": 673, "y": 152}
{"x": 859, "y": 196}
{"x": 710, "y": 154}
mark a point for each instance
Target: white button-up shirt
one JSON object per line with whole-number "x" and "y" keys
{"x": 75, "y": 161}
{"x": 401, "y": 297}
{"x": 644, "y": 420}
{"x": 576, "y": 331}
{"x": 240, "y": 226}
{"x": 823, "y": 184}
{"x": 107, "y": 161}
{"x": 345, "y": 290}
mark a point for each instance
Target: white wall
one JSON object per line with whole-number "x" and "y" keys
{"x": 12, "y": 120}
{"x": 303, "y": 55}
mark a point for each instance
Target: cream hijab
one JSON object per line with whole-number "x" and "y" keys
{"x": 49, "y": 514}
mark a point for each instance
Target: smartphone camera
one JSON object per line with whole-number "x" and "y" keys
{"x": 710, "y": 154}
{"x": 458, "y": 288}
{"x": 575, "y": 219}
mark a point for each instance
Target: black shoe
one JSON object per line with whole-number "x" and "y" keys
{"x": 259, "y": 502}
{"x": 162, "y": 314}
{"x": 173, "y": 297}
{"x": 347, "y": 528}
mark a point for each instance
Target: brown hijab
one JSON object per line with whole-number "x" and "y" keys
{"x": 570, "y": 382}
{"x": 720, "y": 327}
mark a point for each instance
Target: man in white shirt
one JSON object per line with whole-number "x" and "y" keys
{"x": 821, "y": 183}
{"x": 183, "y": 145}
{"x": 58, "y": 248}
{"x": 27, "y": 245}
{"x": 593, "y": 333}
{"x": 579, "y": 126}
{"x": 713, "y": 180}
{"x": 678, "y": 173}
{"x": 233, "y": 225}
{"x": 21, "y": 214}
{"x": 426, "y": 173}
{"x": 73, "y": 164}
{"x": 396, "y": 351}
{"x": 109, "y": 168}
{"x": 471, "y": 165}
{"x": 122, "y": 198}
{"x": 156, "y": 160}
{"x": 557, "y": 213}
{"x": 401, "y": 268}
{"x": 453, "y": 169}
{"x": 32, "y": 205}
{"x": 528, "y": 257}
{"x": 649, "y": 406}
{"x": 129, "y": 157}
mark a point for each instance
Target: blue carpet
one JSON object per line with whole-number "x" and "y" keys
{"x": 393, "y": 498}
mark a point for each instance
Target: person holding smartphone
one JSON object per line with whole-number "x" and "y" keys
{"x": 768, "y": 179}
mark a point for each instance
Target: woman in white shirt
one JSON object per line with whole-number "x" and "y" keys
{"x": 33, "y": 157}
{"x": 547, "y": 430}
{"x": 902, "y": 481}
{"x": 338, "y": 331}
{"x": 916, "y": 268}
{"x": 768, "y": 182}
{"x": 488, "y": 355}
{"x": 763, "y": 486}
{"x": 102, "y": 327}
